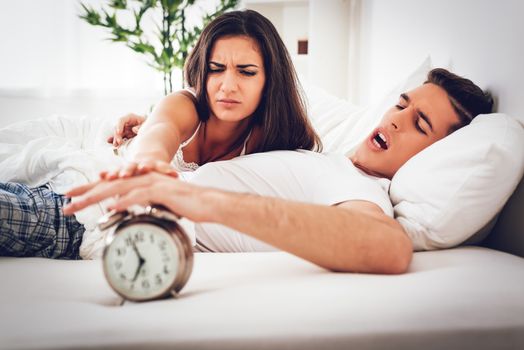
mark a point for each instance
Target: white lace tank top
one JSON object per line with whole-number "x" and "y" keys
{"x": 180, "y": 164}
{"x": 178, "y": 161}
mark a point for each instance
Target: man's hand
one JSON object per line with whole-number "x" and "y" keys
{"x": 126, "y": 128}
{"x": 190, "y": 201}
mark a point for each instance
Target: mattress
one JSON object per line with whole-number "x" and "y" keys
{"x": 468, "y": 297}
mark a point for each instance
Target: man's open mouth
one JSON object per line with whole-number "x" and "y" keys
{"x": 379, "y": 140}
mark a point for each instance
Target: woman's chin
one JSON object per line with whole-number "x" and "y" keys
{"x": 230, "y": 117}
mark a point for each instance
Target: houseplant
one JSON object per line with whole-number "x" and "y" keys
{"x": 158, "y": 29}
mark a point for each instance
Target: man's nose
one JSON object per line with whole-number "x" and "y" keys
{"x": 229, "y": 82}
{"x": 398, "y": 120}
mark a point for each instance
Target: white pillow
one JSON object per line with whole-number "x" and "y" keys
{"x": 453, "y": 188}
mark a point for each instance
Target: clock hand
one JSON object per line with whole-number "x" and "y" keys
{"x": 137, "y": 252}
{"x": 141, "y": 262}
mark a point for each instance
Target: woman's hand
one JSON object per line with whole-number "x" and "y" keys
{"x": 139, "y": 168}
{"x": 126, "y": 128}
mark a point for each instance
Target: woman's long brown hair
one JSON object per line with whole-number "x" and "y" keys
{"x": 281, "y": 113}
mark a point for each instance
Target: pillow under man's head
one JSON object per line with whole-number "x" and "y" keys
{"x": 421, "y": 117}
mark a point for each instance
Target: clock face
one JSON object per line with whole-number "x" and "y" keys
{"x": 142, "y": 261}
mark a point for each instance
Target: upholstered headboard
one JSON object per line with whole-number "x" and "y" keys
{"x": 479, "y": 39}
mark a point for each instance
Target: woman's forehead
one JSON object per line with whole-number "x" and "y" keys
{"x": 236, "y": 47}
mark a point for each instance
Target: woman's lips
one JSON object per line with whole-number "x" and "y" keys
{"x": 228, "y": 103}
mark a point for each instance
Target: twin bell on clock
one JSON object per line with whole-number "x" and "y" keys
{"x": 147, "y": 255}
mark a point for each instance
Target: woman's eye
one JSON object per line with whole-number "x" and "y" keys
{"x": 248, "y": 73}
{"x": 215, "y": 70}
{"x": 399, "y": 107}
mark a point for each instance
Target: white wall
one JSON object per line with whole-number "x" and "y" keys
{"x": 291, "y": 19}
{"x": 52, "y": 62}
{"x": 480, "y": 39}
{"x": 328, "y": 42}
{"x": 50, "y": 48}
{"x": 325, "y": 23}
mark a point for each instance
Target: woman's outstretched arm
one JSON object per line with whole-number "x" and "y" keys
{"x": 173, "y": 120}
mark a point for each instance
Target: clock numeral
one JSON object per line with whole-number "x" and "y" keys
{"x": 129, "y": 241}
{"x": 123, "y": 277}
{"x": 118, "y": 265}
{"x": 166, "y": 270}
{"x": 121, "y": 251}
{"x": 139, "y": 236}
{"x": 145, "y": 284}
{"x": 158, "y": 279}
{"x": 163, "y": 245}
{"x": 152, "y": 238}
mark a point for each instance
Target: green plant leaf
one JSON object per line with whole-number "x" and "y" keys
{"x": 90, "y": 15}
{"x": 172, "y": 39}
{"x": 118, "y": 4}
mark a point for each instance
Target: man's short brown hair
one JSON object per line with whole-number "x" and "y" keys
{"x": 467, "y": 99}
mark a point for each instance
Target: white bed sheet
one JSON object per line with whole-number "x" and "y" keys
{"x": 462, "y": 298}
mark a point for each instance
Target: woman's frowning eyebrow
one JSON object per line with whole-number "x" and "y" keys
{"x": 241, "y": 66}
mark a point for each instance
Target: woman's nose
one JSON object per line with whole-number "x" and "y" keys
{"x": 229, "y": 82}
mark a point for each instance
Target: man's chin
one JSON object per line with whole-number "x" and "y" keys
{"x": 370, "y": 170}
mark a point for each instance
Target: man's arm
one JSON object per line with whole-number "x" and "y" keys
{"x": 353, "y": 236}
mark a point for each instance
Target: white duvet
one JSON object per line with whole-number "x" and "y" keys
{"x": 64, "y": 152}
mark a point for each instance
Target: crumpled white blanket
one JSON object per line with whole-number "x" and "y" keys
{"x": 64, "y": 152}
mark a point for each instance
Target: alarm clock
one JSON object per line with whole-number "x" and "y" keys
{"x": 147, "y": 255}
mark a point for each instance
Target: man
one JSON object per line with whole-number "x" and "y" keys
{"x": 345, "y": 226}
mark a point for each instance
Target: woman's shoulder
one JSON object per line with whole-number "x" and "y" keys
{"x": 178, "y": 111}
{"x": 190, "y": 93}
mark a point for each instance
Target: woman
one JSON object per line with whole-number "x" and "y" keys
{"x": 245, "y": 100}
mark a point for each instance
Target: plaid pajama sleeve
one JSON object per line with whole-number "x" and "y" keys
{"x": 32, "y": 223}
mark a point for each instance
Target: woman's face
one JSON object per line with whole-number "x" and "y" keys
{"x": 236, "y": 78}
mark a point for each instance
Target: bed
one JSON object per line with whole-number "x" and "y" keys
{"x": 468, "y": 297}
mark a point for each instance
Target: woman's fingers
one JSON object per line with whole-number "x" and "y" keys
{"x": 167, "y": 169}
{"x": 126, "y": 128}
{"x": 158, "y": 166}
{"x": 140, "y": 168}
{"x": 117, "y": 136}
{"x": 130, "y": 169}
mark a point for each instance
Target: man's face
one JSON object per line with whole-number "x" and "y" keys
{"x": 421, "y": 117}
